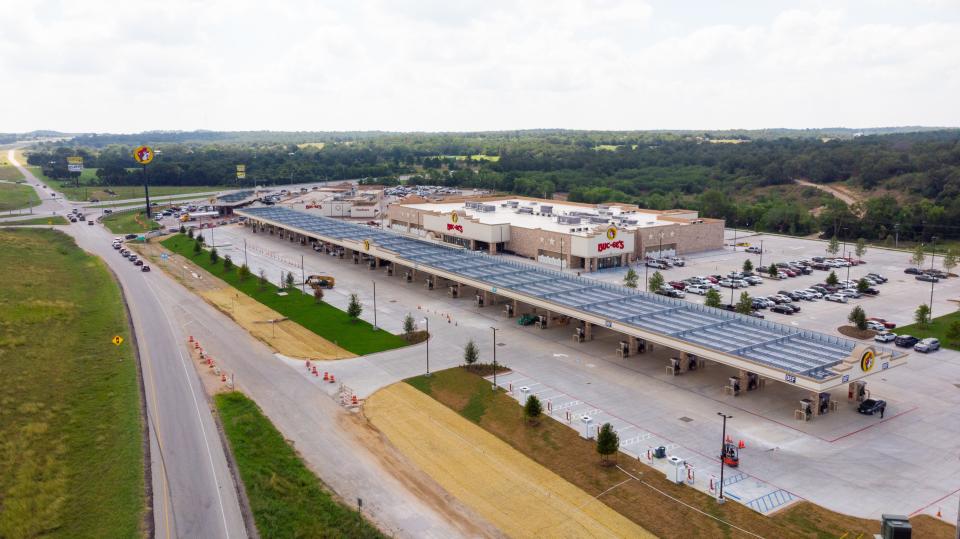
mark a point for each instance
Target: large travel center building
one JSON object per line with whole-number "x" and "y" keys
{"x": 577, "y": 236}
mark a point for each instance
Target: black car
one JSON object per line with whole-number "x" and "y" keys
{"x": 927, "y": 278}
{"x": 794, "y": 306}
{"x": 145, "y": 268}
{"x": 912, "y": 271}
{"x": 125, "y": 255}
{"x": 905, "y": 341}
{"x": 138, "y": 262}
{"x": 782, "y": 308}
{"x": 130, "y": 237}
{"x": 872, "y": 406}
{"x": 936, "y": 273}
{"x": 871, "y": 291}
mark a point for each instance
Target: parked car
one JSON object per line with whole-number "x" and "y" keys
{"x": 906, "y": 341}
{"x": 936, "y": 273}
{"x": 886, "y": 324}
{"x": 877, "y": 277}
{"x": 729, "y": 283}
{"x": 927, "y": 278}
{"x": 130, "y": 237}
{"x": 815, "y": 293}
{"x": 754, "y": 279}
{"x": 656, "y": 265}
{"x": 138, "y": 262}
{"x": 871, "y": 291}
{"x": 851, "y": 293}
{"x": 885, "y": 336}
{"x": 697, "y": 289}
{"x": 927, "y": 345}
{"x": 759, "y": 303}
{"x": 782, "y": 308}
{"x": 116, "y": 246}
{"x": 820, "y": 266}
{"x": 823, "y": 291}
{"x": 912, "y": 271}
{"x": 794, "y": 306}
{"x": 839, "y": 298}
{"x": 876, "y": 326}
{"x": 125, "y": 254}
{"x": 756, "y": 314}
{"x": 677, "y": 261}
{"x": 678, "y": 285}
{"x": 872, "y": 406}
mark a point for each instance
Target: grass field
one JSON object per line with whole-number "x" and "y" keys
{"x": 52, "y": 220}
{"x": 127, "y": 223}
{"x": 15, "y": 197}
{"x": 71, "y": 459}
{"x": 937, "y": 328}
{"x": 323, "y": 319}
{"x": 286, "y": 498}
{"x": 10, "y": 173}
{"x": 87, "y": 192}
{"x": 560, "y": 449}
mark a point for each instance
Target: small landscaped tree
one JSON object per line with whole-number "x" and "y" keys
{"x": 289, "y": 282}
{"x": 197, "y": 247}
{"x": 834, "y": 246}
{"x": 747, "y": 266}
{"x": 918, "y": 255}
{"x": 227, "y": 263}
{"x": 470, "y": 353}
{"x": 922, "y": 315}
{"x": 243, "y": 272}
{"x": 532, "y": 410}
{"x": 832, "y": 279}
{"x": 713, "y": 298}
{"x": 863, "y": 285}
{"x": 656, "y": 281}
{"x": 190, "y": 232}
{"x": 858, "y": 318}
{"x": 200, "y": 239}
{"x": 630, "y": 279}
{"x": 263, "y": 279}
{"x": 953, "y": 332}
{"x": 354, "y": 308}
{"x": 861, "y": 248}
{"x": 773, "y": 271}
{"x": 608, "y": 443}
{"x": 183, "y": 229}
{"x": 318, "y": 295}
{"x": 408, "y": 324}
{"x": 745, "y": 305}
{"x": 950, "y": 260}
{"x": 214, "y": 255}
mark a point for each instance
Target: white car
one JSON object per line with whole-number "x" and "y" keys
{"x": 876, "y": 326}
{"x": 727, "y": 283}
{"x": 753, "y": 249}
{"x": 814, "y": 293}
{"x": 927, "y": 345}
{"x": 884, "y": 336}
{"x": 839, "y": 298}
{"x": 700, "y": 290}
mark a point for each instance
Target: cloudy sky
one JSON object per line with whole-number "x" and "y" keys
{"x": 429, "y": 65}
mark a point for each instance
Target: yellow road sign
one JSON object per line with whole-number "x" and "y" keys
{"x": 241, "y": 172}
{"x": 143, "y": 155}
{"x": 117, "y": 340}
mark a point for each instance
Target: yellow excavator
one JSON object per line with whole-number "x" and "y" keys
{"x": 320, "y": 281}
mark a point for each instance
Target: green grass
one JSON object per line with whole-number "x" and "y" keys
{"x": 323, "y": 319}
{"x": 16, "y": 197}
{"x": 937, "y": 328}
{"x": 286, "y": 498}
{"x": 141, "y": 200}
{"x": 10, "y": 173}
{"x": 122, "y": 192}
{"x": 52, "y": 220}
{"x": 71, "y": 458}
{"x": 126, "y": 223}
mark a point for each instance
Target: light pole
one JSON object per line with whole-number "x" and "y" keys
{"x": 427, "y": 320}
{"x": 660, "y": 249}
{"x": 933, "y": 249}
{"x": 761, "y": 253}
{"x": 494, "y": 358}
{"x": 646, "y": 273}
{"x": 842, "y": 229}
{"x": 374, "y": 305}
{"x": 896, "y": 235}
{"x": 723, "y": 451}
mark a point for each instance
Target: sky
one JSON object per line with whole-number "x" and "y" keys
{"x": 468, "y": 65}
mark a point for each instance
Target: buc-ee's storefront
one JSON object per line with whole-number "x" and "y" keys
{"x": 460, "y": 230}
{"x": 610, "y": 248}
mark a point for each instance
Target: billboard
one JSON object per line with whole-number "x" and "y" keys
{"x": 241, "y": 172}
{"x": 75, "y": 164}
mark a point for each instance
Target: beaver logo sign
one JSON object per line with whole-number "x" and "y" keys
{"x": 452, "y": 225}
{"x": 867, "y": 360}
{"x": 366, "y": 245}
{"x": 612, "y": 233}
{"x": 454, "y": 217}
{"x": 143, "y": 155}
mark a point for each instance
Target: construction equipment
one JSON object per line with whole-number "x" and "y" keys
{"x": 731, "y": 454}
{"x": 320, "y": 281}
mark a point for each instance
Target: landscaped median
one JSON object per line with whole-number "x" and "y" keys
{"x": 354, "y": 335}
{"x": 645, "y": 496}
{"x": 946, "y": 328}
{"x": 52, "y": 220}
{"x": 286, "y": 498}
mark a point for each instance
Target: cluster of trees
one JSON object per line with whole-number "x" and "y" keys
{"x": 657, "y": 170}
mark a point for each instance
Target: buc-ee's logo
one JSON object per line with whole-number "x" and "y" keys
{"x": 454, "y": 217}
{"x": 453, "y": 224}
{"x": 612, "y": 233}
{"x": 867, "y": 360}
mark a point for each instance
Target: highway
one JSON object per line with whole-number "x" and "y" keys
{"x": 194, "y": 494}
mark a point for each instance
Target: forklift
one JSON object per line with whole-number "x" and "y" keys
{"x": 731, "y": 454}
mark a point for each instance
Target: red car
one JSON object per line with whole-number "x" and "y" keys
{"x": 789, "y": 272}
{"x": 712, "y": 279}
{"x": 678, "y": 285}
{"x": 888, "y": 325}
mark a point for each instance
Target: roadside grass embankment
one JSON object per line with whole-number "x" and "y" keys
{"x": 560, "y": 449}
{"x": 129, "y": 223}
{"x": 9, "y": 173}
{"x": 938, "y": 328}
{"x": 17, "y": 197}
{"x": 286, "y": 498}
{"x": 356, "y": 336}
{"x": 71, "y": 445}
{"x": 51, "y": 220}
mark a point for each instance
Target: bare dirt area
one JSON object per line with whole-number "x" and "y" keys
{"x": 846, "y": 195}
{"x": 521, "y": 497}
{"x": 265, "y": 324}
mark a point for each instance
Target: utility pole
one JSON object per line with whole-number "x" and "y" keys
{"x": 303, "y": 286}
{"x": 761, "y": 254}
{"x": 427, "y": 320}
{"x": 933, "y": 249}
{"x": 374, "y": 305}
{"x": 723, "y": 450}
{"x": 245, "y": 252}
{"x": 494, "y": 358}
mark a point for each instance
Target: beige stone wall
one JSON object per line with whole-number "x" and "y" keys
{"x": 705, "y": 235}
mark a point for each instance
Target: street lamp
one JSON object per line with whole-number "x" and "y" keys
{"x": 844, "y": 237}
{"x": 427, "y": 320}
{"x": 660, "y": 249}
{"x": 723, "y": 450}
{"x": 494, "y": 358}
{"x": 761, "y": 254}
{"x": 933, "y": 248}
{"x": 374, "y": 305}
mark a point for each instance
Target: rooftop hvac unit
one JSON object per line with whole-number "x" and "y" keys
{"x": 513, "y": 203}
{"x": 525, "y": 210}
{"x": 568, "y": 219}
{"x": 546, "y": 209}
{"x": 486, "y": 208}
{"x": 598, "y": 220}
{"x": 471, "y": 205}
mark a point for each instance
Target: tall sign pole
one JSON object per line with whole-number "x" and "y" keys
{"x": 144, "y": 155}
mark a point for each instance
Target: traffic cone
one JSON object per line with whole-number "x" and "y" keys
{"x": 326, "y": 376}
{"x": 332, "y": 379}
{"x": 741, "y": 445}
{"x": 354, "y": 400}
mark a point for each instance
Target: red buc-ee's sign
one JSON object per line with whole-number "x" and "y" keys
{"x": 601, "y": 247}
